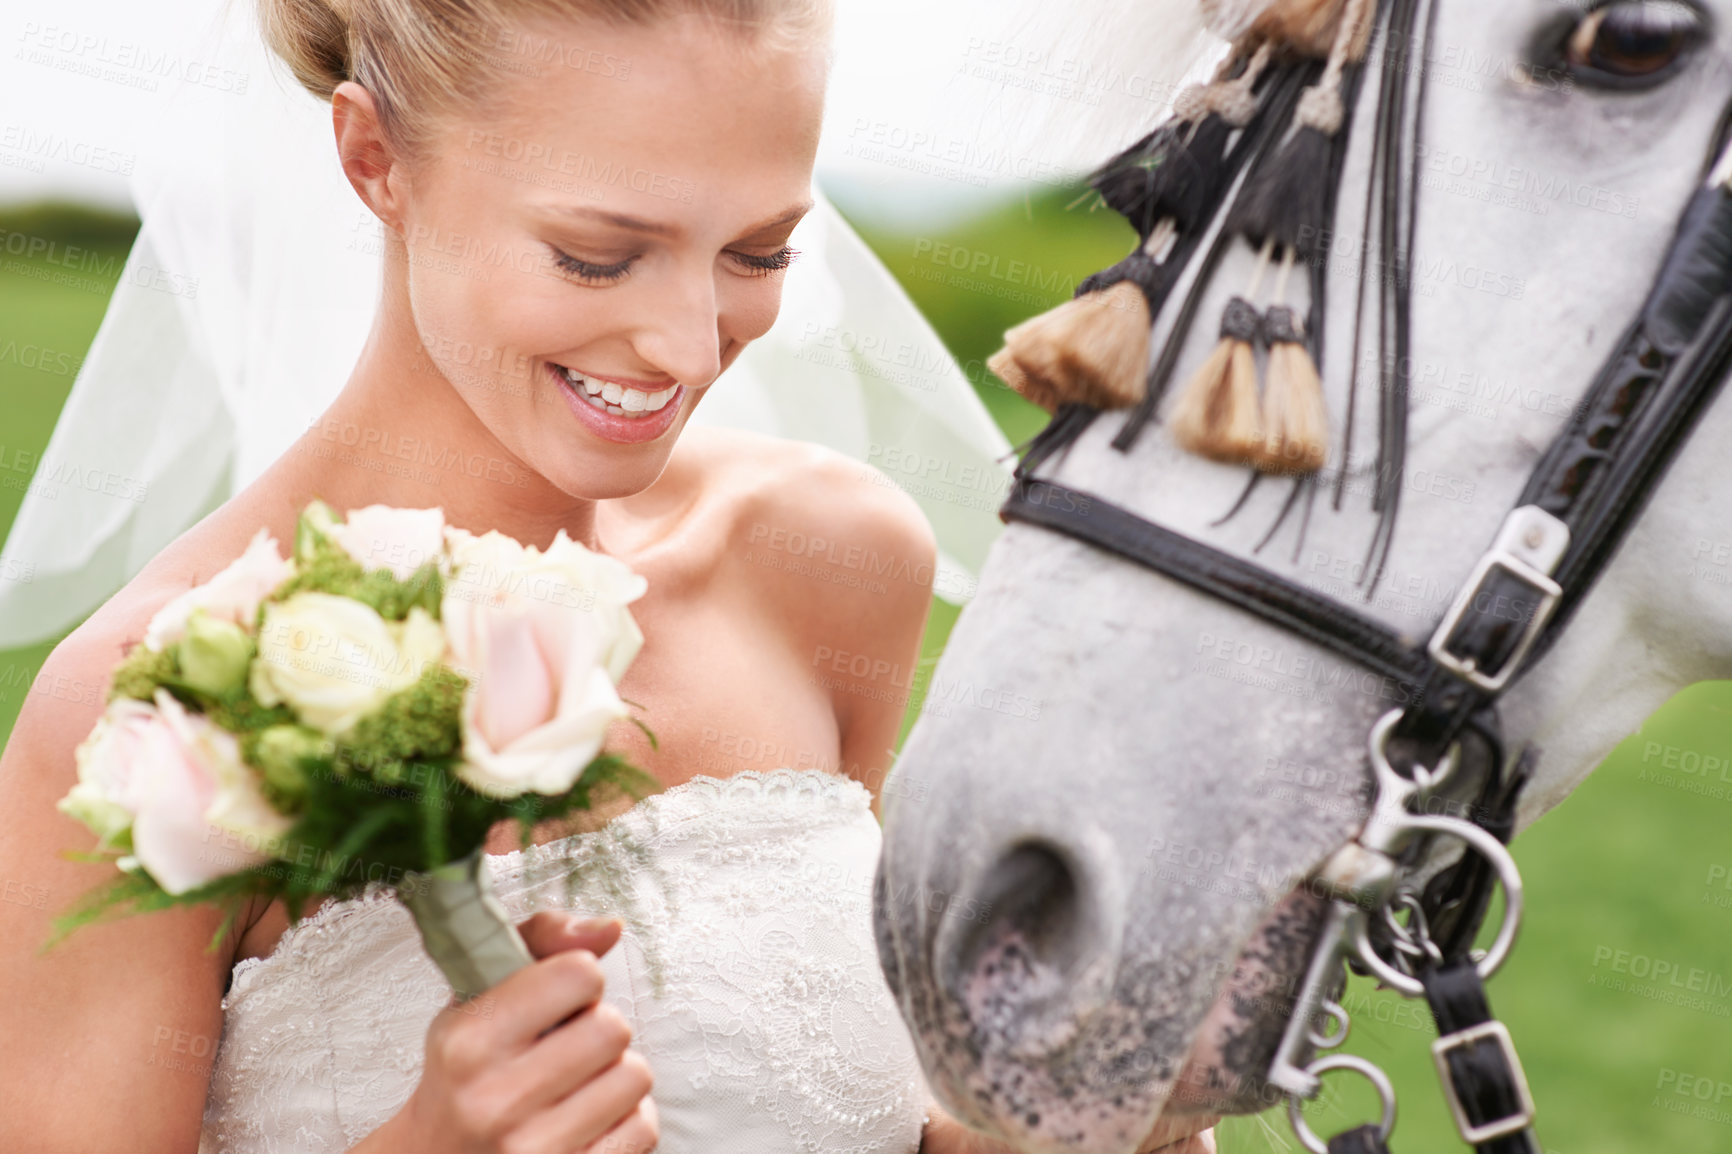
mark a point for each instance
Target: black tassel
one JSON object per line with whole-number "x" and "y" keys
{"x": 1165, "y": 174}
{"x": 1161, "y": 137}
{"x": 1285, "y": 201}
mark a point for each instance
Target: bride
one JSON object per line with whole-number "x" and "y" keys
{"x": 607, "y": 309}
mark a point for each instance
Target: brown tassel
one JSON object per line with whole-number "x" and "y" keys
{"x": 1295, "y": 421}
{"x": 1310, "y": 27}
{"x": 1216, "y": 414}
{"x": 1005, "y": 365}
{"x": 1094, "y": 348}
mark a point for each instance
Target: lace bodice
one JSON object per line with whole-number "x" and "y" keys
{"x": 747, "y": 970}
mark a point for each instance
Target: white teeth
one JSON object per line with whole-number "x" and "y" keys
{"x": 617, "y": 399}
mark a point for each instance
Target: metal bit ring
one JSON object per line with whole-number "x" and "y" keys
{"x": 1338, "y": 1014}
{"x": 1377, "y": 1077}
{"x": 1493, "y": 851}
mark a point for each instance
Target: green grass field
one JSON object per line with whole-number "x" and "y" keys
{"x": 1631, "y": 877}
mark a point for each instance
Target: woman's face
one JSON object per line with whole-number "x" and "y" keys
{"x": 615, "y": 223}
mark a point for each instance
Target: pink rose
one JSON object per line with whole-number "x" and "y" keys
{"x": 105, "y": 765}
{"x": 195, "y": 809}
{"x": 542, "y": 637}
{"x": 383, "y": 537}
{"x": 233, "y": 595}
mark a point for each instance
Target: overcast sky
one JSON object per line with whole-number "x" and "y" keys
{"x": 934, "y": 104}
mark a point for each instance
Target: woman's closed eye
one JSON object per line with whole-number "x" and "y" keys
{"x": 764, "y": 265}
{"x": 596, "y": 273}
{"x": 590, "y": 271}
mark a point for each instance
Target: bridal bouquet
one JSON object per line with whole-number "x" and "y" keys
{"x": 363, "y": 711}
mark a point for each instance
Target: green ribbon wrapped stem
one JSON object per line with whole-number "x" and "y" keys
{"x": 466, "y": 929}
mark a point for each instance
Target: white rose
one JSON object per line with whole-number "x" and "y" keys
{"x": 335, "y": 660}
{"x": 613, "y": 586}
{"x": 543, "y": 638}
{"x": 383, "y": 537}
{"x": 233, "y": 595}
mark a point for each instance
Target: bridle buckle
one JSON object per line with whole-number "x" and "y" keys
{"x": 1492, "y": 1031}
{"x": 1505, "y": 602}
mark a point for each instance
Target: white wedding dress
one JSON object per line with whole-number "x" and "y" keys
{"x": 769, "y": 1031}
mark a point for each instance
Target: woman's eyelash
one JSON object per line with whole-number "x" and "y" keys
{"x": 775, "y": 262}
{"x": 587, "y": 271}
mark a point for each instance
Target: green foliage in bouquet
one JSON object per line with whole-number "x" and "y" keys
{"x": 334, "y": 812}
{"x": 323, "y": 566}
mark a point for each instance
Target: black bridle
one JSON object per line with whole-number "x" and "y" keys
{"x": 1575, "y": 511}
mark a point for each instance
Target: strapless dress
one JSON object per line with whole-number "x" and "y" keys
{"x": 747, "y": 970}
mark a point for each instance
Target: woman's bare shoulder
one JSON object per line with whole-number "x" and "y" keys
{"x": 796, "y": 498}
{"x": 830, "y": 549}
{"x": 840, "y": 562}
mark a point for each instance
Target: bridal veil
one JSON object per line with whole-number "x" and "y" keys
{"x": 251, "y": 287}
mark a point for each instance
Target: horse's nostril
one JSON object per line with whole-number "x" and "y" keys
{"x": 1033, "y": 893}
{"x": 1033, "y": 929}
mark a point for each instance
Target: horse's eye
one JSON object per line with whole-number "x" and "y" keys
{"x": 1632, "y": 43}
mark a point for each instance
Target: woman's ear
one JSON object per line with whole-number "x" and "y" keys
{"x": 373, "y": 168}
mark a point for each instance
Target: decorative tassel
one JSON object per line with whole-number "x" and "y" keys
{"x": 1094, "y": 348}
{"x": 1004, "y": 366}
{"x": 1284, "y": 203}
{"x": 1230, "y": 19}
{"x": 1309, "y": 27}
{"x": 1295, "y": 421}
{"x": 1216, "y": 415}
{"x": 1177, "y": 173}
{"x": 1281, "y": 208}
{"x": 1179, "y": 169}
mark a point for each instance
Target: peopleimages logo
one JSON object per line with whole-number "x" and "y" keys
{"x": 1694, "y": 1095}
{"x": 533, "y": 154}
{"x": 377, "y": 448}
{"x": 1664, "y": 980}
{"x": 120, "y": 61}
{"x": 44, "y": 146}
{"x": 90, "y": 262}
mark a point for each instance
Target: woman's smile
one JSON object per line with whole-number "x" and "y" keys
{"x": 618, "y": 412}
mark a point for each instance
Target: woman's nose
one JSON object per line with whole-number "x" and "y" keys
{"x": 683, "y": 338}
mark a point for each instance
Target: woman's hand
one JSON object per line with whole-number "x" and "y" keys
{"x": 537, "y": 1064}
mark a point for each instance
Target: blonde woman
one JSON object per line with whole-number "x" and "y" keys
{"x": 609, "y": 308}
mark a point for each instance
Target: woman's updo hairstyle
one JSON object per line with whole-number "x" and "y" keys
{"x": 423, "y": 59}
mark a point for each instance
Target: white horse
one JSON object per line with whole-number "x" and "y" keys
{"x": 1085, "y": 911}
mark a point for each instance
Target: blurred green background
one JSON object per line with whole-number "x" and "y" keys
{"x": 1628, "y": 878}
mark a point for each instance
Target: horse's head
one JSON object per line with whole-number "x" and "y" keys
{"x": 1090, "y": 905}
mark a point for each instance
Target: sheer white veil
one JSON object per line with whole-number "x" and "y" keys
{"x": 251, "y": 285}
